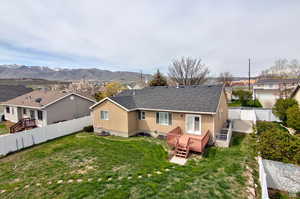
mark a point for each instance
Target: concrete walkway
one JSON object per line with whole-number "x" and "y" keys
{"x": 243, "y": 126}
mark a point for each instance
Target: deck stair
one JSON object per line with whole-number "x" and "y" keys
{"x": 185, "y": 143}
{"x": 182, "y": 152}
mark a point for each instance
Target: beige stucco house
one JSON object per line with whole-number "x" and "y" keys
{"x": 47, "y": 107}
{"x": 195, "y": 109}
{"x": 296, "y": 94}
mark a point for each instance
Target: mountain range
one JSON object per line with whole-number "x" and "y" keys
{"x": 63, "y": 74}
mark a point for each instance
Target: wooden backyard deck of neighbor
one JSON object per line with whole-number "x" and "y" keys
{"x": 84, "y": 165}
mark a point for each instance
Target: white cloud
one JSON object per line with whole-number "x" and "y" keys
{"x": 149, "y": 34}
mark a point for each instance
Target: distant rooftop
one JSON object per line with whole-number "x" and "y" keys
{"x": 277, "y": 81}
{"x": 36, "y": 99}
{"x": 8, "y": 92}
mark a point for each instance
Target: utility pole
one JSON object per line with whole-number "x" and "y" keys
{"x": 249, "y": 75}
{"x": 141, "y": 77}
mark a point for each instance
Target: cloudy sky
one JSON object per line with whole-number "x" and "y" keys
{"x": 145, "y": 35}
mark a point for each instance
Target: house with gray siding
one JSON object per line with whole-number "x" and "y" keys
{"x": 47, "y": 107}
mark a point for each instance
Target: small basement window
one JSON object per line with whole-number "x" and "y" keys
{"x": 7, "y": 109}
{"x": 40, "y": 115}
{"x": 141, "y": 115}
{"x": 104, "y": 115}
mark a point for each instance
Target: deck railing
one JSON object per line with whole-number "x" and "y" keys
{"x": 224, "y": 137}
{"x": 173, "y": 136}
{"x": 23, "y": 124}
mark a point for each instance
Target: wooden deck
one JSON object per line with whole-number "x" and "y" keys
{"x": 184, "y": 143}
{"x": 23, "y": 124}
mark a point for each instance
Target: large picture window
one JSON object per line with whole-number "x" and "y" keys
{"x": 164, "y": 118}
{"x": 104, "y": 115}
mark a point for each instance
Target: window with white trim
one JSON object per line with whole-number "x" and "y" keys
{"x": 24, "y": 111}
{"x": 104, "y": 115}
{"x": 164, "y": 118}
{"x": 141, "y": 115}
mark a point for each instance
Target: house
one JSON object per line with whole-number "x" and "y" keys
{"x": 267, "y": 91}
{"x": 47, "y": 107}
{"x": 296, "y": 94}
{"x": 8, "y": 92}
{"x": 191, "y": 110}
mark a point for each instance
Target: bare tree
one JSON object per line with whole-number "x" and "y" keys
{"x": 226, "y": 78}
{"x": 188, "y": 71}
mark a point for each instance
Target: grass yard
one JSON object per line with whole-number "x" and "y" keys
{"x": 87, "y": 166}
{"x": 3, "y": 128}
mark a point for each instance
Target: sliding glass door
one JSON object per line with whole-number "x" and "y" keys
{"x": 193, "y": 124}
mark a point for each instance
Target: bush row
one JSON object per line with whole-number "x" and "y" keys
{"x": 273, "y": 142}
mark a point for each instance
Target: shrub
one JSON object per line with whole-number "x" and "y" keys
{"x": 278, "y": 145}
{"x": 293, "y": 117}
{"x": 88, "y": 128}
{"x": 281, "y": 106}
{"x": 254, "y": 103}
{"x": 263, "y": 126}
{"x": 275, "y": 143}
{"x": 243, "y": 95}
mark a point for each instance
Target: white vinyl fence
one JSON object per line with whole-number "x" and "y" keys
{"x": 17, "y": 141}
{"x": 251, "y": 114}
{"x": 263, "y": 180}
{"x": 282, "y": 176}
{"x": 278, "y": 175}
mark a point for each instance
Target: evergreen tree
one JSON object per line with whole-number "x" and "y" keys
{"x": 158, "y": 80}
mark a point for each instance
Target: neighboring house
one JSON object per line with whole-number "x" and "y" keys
{"x": 195, "y": 109}
{"x": 47, "y": 107}
{"x": 296, "y": 94}
{"x": 8, "y": 92}
{"x": 267, "y": 91}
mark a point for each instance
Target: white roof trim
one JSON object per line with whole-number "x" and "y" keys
{"x": 107, "y": 98}
{"x": 31, "y": 107}
{"x": 220, "y": 98}
{"x": 167, "y": 110}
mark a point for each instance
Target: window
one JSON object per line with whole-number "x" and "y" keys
{"x": 24, "y": 111}
{"x": 32, "y": 114}
{"x": 164, "y": 118}
{"x": 141, "y": 115}
{"x": 12, "y": 110}
{"x": 40, "y": 115}
{"x": 7, "y": 109}
{"x": 104, "y": 115}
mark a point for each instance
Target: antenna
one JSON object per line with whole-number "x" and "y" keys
{"x": 249, "y": 74}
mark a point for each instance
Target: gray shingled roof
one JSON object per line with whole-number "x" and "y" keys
{"x": 185, "y": 98}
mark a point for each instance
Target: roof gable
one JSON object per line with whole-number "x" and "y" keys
{"x": 40, "y": 99}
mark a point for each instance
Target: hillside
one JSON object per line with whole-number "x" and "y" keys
{"x": 22, "y": 71}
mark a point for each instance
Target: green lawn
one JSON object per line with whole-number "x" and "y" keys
{"x": 3, "y": 129}
{"x": 114, "y": 167}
